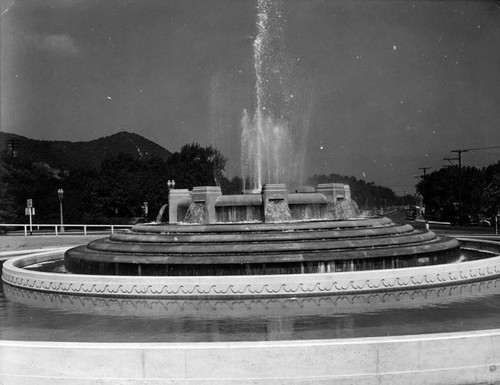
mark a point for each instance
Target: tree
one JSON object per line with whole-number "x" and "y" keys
{"x": 118, "y": 188}
{"x": 442, "y": 191}
{"x": 233, "y": 186}
{"x": 367, "y": 195}
{"x": 194, "y": 166}
{"x": 8, "y": 212}
{"x": 490, "y": 198}
{"x": 31, "y": 181}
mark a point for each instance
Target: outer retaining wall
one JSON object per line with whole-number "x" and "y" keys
{"x": 247, "y": 286}
{"x": 263, "y": 308}
{"x": 451, "y": 358}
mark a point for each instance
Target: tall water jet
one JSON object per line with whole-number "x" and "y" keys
{"x": 272, "y": 147}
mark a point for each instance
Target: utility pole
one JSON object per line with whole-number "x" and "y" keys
{"x": 459, "y": 153}
{"x": 424, "y": 169}
{"x": 422, "y": 177}
{"x": 459, "y": 158}
{"x": 450, "y": 160}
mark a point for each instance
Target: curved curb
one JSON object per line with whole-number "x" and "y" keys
{"x": 289, "y": 285}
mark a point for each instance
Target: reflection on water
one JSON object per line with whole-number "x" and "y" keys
{"x": 28, "y": 315}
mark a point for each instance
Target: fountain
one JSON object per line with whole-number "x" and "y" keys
{"x": 418, "y": 323}
{"x": 273, "y": 239}
{"x": 272, "y": 138}
{"x": 269, "y": 287}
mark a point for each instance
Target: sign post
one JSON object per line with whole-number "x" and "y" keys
{"x": 30, "y": 210}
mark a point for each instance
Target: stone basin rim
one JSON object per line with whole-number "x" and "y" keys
{"x": 248, "y": 286}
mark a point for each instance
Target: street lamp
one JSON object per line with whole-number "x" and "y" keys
{"x": 171, "y": 186}
{"x": 60, "y": 192}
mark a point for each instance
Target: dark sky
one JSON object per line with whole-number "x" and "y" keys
{"x": 385, "y": 86}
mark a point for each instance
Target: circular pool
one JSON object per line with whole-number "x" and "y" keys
{"x": 440, "y": 328}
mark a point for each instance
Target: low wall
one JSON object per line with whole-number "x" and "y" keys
{"x": 247, "y": 286}
{"x": 451, "y": 358}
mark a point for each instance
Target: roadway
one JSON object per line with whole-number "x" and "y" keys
{"x": 444, "y": 228}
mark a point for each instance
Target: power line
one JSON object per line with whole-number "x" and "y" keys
{"x": 479, "y": 148}
{"x": 479, "y": 165}
{"x": 450, "y": 160}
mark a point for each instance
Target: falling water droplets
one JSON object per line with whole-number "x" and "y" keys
{"x": 269, "y": 154}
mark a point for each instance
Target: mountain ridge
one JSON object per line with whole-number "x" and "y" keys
{"x": 67, "y": 155}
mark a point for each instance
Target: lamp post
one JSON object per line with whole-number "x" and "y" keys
{"x": 60, "y": 192}
{"x": 171, "y": 186}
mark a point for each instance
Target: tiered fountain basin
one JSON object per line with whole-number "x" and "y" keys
{"x": 262, "y": 249}
{"x": 272, "y": 241}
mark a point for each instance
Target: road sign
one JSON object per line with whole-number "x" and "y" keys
{"x": 30, "y": 210}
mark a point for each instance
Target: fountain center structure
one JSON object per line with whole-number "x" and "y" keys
{"x": 273, "y": 232}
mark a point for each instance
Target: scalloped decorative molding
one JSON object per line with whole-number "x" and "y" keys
{"x": 246, "y": 286}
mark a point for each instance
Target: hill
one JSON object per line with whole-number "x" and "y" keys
{"x": 65, "y": 155}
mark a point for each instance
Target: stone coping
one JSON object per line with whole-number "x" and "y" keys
{"x": 447, "y": 358}
{"x": 106, "y": 251}
{"x": 262, "y": 248}
{"x": 282, "y": 343}
{"x": 261, "y": 226}
{"x": 289, "y": 285}
{"x": 239, "y": 200}
{"x": 284, "y": 236}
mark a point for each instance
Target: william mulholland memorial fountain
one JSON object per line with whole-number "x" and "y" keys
{"x": 292, "y": 235}
{"x": 275, "y": 286}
